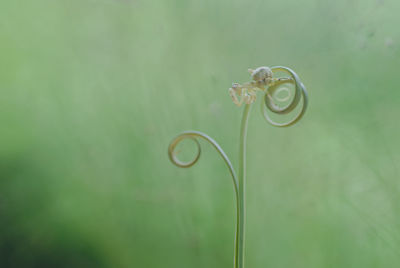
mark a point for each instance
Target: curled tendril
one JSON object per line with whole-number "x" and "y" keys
{"x": 193, "y": 135}
{"x": 300, "y": 91}
{"x": 282, "y": 99}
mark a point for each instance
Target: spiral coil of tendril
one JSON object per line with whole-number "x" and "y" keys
{"x": 193, "y": 135}
{"x": 300, "y": 91}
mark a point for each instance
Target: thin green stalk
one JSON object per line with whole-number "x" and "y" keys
{"x": 262, "y": 77}
{"x": 241, "y": 208}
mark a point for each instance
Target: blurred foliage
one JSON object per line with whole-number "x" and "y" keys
{"x": 92, "y": 91}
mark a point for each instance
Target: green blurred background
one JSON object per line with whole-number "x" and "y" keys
{"x": 92, "y": 91}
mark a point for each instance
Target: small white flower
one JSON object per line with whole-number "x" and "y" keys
{"x": 247, "y": 93}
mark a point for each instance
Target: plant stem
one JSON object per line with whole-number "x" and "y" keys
{"x": 240, "y": 181}
{"x": 241, "y": 209}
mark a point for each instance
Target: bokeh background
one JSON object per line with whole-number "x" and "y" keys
{"x": 92, "y": 91}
